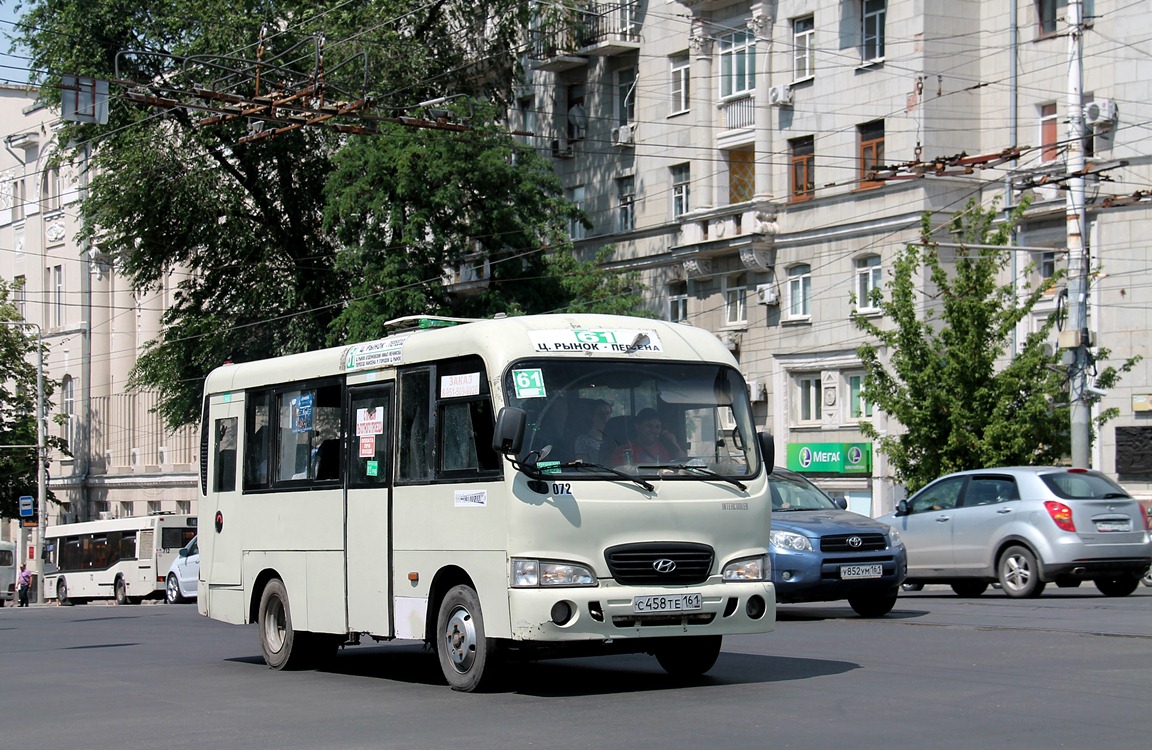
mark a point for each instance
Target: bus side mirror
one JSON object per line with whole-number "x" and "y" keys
{"x": 767, "y": 449}
{"x": 508, "y": 437}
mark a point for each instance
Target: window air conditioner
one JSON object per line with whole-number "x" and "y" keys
{"x": 1101, "y": 113}
{"x": 623, "y": 135}
{"x": 780, "y": 96}
{"x": 767, "y": 294}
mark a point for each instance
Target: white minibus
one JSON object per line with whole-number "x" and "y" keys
{"x": 125, "y": 559}
{"x": 8, "y": 570}
{"x": 512, "y": 488}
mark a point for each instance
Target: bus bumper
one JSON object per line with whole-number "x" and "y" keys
{"x": 609, "y": 612}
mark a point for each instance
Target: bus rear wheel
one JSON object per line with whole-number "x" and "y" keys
{"x": 466, "y": 655}
{"x": 284, "y": 647}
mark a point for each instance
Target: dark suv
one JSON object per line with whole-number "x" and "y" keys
{"x": 822, "y": 552}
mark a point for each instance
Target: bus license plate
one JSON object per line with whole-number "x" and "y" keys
{"x": 643, "y": 605}
{"x": 862, "y": 571}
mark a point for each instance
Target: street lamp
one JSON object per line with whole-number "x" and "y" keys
{"x": 41, "y": 455}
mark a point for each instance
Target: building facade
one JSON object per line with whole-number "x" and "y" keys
{"x": 123, "y": 461}
{"x": 729, "y": 152}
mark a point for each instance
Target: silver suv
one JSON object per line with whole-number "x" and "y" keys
{"x": 1024, "y": 527}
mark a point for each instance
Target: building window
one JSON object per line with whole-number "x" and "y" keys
{"x": 871, "y": 136}
{"x": 803, "y": 48}
{"x": 125, "y": 509}
{"x": 68, "y": 405}
{"x": 577, "y": 114}
{"x": 872, "y": 36}
{"x": 527, "y": 110}
{"x": 799, "y": 291}
{"x": 803, "y": 157}
{"x": 741, "y": 174}
{"x": 184, "y": 506}
{"x": 737, "y": 64}
{"x": 735, "y": 300}
{"x": 1047, "y": 16}
{"x": 57, "y": 287}
{"x": 681, "y": 190}
{"x": 1049, "y": 137}
{"x": 678, "y": 302}
{"x": 869, "y": 277}
{"x": 1046, "y": 265}
{"x": 858, "y": 407}
{"x": 153, "y": 507}
{"x": 626, "y": 96}
{"x": 20, "y": 295}
{"x": 808, "y": 398}
{"x": 18, "y": 199}
{"x": 681, "y": 83}
{"x": 626, "y": 196}
{"x": 576, "y": 225}
{"x": 50, "y": 189}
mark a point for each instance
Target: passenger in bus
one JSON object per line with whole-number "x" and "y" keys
{"x": 588, "y": 444}
{"x": 650, "y": 444}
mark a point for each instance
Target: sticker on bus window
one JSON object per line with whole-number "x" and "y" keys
{"x": 367, "y": 446}
{"x": 616, "y": 341}
{"x": 529, "y": 383}
{"x": 471, "y": 498}
{"x": 370, "y": 421}
{"x": 372, "y": 468}
{"x": 467, "y": 384}
{"x": 302, "y": 413}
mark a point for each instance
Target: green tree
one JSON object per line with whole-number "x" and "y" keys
{"x": 18, "y": 363}
{"x": 941, "y": 368}
{"x": 241, "y": 228}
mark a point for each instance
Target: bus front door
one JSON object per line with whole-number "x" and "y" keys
{"x": 367, "y": 516}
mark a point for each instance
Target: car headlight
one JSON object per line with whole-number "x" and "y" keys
{"x": 748, "y": 569}
{"x": 537, "y": 573}
{"x": 787, "y": 540}
{"x": 894, "y": 538}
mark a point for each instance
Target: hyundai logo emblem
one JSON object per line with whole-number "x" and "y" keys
{"x": 664, "y": 565}
{"x": 855, "y": 542}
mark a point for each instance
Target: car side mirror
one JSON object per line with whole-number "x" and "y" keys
{"x": 183, "y": 552}
{"x": 841, "y": 502}
{"x": 902, "y": 508}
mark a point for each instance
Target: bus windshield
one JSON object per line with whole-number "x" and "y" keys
{"x": 670, "y": 419}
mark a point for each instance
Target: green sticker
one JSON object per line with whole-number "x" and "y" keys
{"x": 548, "y": 467}
{"x": 529, "y": 383}
{"x": 372, "y": 468}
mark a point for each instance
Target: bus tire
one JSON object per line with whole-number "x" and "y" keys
{"x": 121, "y": 591}
{"x": 466, "y": 655}
{"x": 283, "y": 646}
{"x": 62, "y": 592}
{"x": 690, "y": 656}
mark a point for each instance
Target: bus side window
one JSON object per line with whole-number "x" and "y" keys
{"x": 256, "y": 441}
{"x": 413, "y": 438}
{"x": 225, "y": 450}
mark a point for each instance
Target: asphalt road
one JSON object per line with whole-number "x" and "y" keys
{"x": 1071, "y": 669}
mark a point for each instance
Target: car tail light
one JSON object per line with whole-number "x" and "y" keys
{"x": 1061, "y": 514}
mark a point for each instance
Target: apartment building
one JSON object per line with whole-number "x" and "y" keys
{"x": 728, "y": 150}
{"x": 123, "y": 461}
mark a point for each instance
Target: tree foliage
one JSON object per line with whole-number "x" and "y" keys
{"x": 18, "y": 364}
{"x": 944, "y": 370}
{"x": 315, "y": 236}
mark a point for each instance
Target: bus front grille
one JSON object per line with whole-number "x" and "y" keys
{"x": 665, "y": 563}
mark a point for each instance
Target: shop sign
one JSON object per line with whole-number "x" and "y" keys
{"x": 830, "y": 458}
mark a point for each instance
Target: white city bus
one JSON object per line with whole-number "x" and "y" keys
{"x": 8, "y": 570}
{"x": 426, "y": 486}
{"x": 125, "y": 559}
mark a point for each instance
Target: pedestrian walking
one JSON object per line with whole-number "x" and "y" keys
{"x": 24, "y": 581}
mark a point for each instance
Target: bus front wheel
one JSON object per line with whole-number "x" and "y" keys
{"x": 121, "y": 590}
{"x": 62, "y": 592}
{"x": 466, "y": 654}
{"x": 283, "y": 646}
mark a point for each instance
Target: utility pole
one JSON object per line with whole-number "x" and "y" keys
{"x": 1076, "y": 339}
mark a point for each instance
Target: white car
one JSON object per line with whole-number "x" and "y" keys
{"x": 183, "y": 574}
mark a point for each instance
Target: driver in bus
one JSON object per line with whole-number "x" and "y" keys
{"x": 651, "y": 443}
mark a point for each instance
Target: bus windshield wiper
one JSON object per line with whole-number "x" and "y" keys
{"x": 700, "y": 469}
{"x": 616, "y": 472}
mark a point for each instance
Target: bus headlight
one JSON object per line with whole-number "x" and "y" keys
{"x": 538, "y": 573}
{"x": 748, "y": 569}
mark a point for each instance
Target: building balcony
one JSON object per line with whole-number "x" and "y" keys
{"x": 595, "y": 29}
{"x": 746, "y": 228}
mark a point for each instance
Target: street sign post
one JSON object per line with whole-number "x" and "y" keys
{"x": 27, "y": 507}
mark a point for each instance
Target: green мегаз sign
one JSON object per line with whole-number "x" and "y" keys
{"x": 830, "y": 458}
